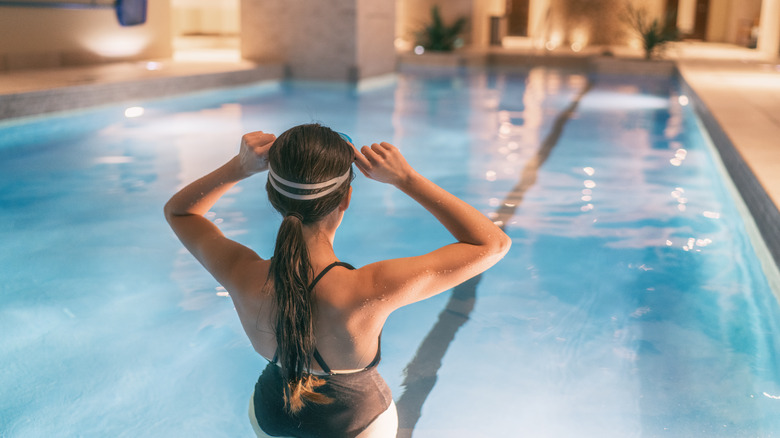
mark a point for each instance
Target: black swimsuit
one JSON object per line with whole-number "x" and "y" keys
{"x": 358, "y": 398}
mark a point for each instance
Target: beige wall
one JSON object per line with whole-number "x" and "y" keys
{"x": 36, "y": 38}
{"x": 729, "y": 21}
{"x": 328, "y": 40}
{"x": 769, "y": 34}
{"x": 375, "y": 38}
{"x": 742, "y": 16}
{"x": 205, "y": 17}
{"x": 718, "y": 20}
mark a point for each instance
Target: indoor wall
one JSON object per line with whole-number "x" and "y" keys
{"x": 42, "y": 38}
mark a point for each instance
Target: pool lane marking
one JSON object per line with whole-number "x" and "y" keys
{"x": 421, "y": 372}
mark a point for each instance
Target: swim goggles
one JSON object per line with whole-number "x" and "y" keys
{"x": 331, "y": 184}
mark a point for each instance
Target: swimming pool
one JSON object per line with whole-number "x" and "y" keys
{"x": 632, "y": 302}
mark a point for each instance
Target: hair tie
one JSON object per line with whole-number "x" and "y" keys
{"x": 295, "y": 214}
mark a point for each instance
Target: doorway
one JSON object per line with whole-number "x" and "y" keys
{"x": 206, "y": 30}
{"x": 700, "y": 23}
{"x": 517, "y": 17}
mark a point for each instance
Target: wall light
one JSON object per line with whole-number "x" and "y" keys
{"x": 134, "y": 111}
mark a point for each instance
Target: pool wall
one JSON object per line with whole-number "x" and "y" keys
{"x": 764, "y": 213}
{"x": 88, "y": 90}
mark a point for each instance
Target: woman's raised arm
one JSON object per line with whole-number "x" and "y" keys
{"x": 480, "y": 243}
{"x": 222, "y": 257}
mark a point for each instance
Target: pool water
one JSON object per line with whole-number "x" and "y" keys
{"x": 631, "y": 304}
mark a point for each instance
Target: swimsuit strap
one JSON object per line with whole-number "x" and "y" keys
{"x": 325, "y": 271}
{"x": 378, "y": 356}
{"x": 321, "y": 361}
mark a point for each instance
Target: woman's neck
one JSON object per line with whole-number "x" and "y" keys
{"x": 319, "y": 241}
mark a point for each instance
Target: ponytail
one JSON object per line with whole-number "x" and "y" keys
{"x": 310, "y": 167}
{"x": 291, "y": 270}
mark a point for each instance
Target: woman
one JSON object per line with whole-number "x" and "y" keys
{"x": 316, "y": 320}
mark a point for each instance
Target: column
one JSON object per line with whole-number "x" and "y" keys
{"x": 769, "y": 29}
{"x": 341, "y": 40}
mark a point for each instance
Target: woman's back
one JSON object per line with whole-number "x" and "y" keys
{"x": 346, "y": 330}
{"x": 305, "y": 314}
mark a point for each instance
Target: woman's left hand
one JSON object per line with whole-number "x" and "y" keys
{"x": 253, "y": 153}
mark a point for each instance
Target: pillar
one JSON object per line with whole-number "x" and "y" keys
{"x": 769, "y": 29}
{"x": 341, "y": 40}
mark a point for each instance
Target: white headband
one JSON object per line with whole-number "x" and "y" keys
{"x": 335, "y": 182}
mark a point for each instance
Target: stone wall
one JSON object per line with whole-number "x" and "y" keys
{"x": 325, "y": 40}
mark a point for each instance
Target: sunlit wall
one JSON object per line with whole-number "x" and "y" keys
{"x": 36, "y": 38}
{"x": 579, "y": 23}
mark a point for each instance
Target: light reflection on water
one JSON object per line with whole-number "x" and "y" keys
{"x": 630, "y": 305}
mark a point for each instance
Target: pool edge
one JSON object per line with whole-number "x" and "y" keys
{"x": 763, "y": 218}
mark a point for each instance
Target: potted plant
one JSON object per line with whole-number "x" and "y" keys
{"x": 437, "y": 36}
{"x": 655, "y": 34}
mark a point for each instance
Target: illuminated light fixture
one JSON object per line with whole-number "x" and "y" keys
{"x": 589, "y": 171}
{"x": 576, "y": 47}
{"x": 419, "y": 50}
{"x": 152, "y": 65}
{"x": 555, "y": 40}
{"x": 116, "y": 45}
{"x": 683, "y": 100}
{"x": 134, "y": 111}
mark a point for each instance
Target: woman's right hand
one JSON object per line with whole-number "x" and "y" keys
{"x": 253, "y": 152}
{"x": 384, "y": 163}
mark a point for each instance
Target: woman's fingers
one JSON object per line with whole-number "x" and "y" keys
{"x": 380, "y": 149}
{"x": 360, "y": 159}
{"x": 253, "y": 153}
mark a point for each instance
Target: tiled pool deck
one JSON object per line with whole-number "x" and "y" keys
{"x": 32, "y": 92}
{"x": 737, "y": 93}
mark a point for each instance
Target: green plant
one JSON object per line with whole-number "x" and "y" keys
{"x": 437, "y": 36}
{"x": 655, "y": 34}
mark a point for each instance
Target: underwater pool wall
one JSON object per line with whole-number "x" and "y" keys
{"x": 763, "y": 211}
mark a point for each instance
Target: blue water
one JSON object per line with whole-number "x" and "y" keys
{"x": 632, "y": 303}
